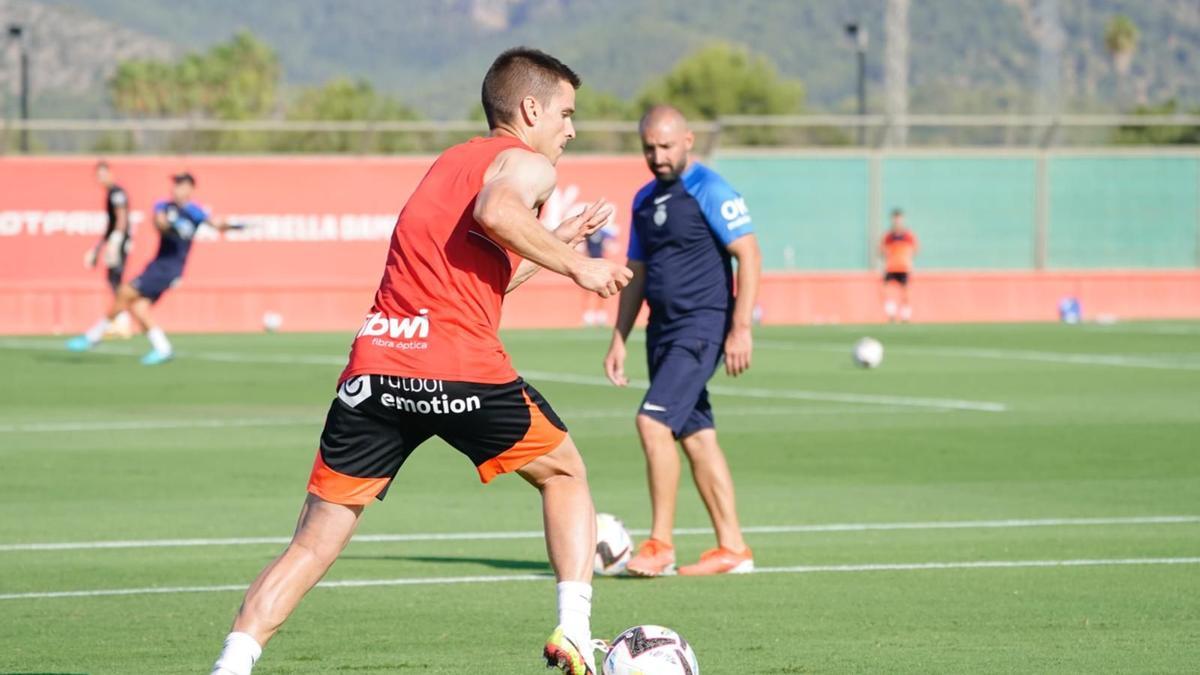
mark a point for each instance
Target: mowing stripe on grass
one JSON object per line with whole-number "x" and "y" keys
{"x": 1068, "y": 358}
{"x": 585, "y": 380}
{"x": 790, "y": 394}
{"x": 799, "y": 569}
{"x": 687, "y": 531}
{"x": 317, "y": 418}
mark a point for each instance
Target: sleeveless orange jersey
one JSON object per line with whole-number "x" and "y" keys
{"x": 437, "y": 311}
{"x": 899, "y": 250}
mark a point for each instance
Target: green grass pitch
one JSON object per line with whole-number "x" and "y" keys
{"x": 1033, "y": 429}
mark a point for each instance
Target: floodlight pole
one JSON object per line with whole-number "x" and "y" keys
{"x": 861, "y": 39}
{"x": 17, "y": 32}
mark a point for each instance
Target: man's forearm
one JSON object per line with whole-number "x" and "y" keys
{"x": 519, "y": 231}
{"x": 630, "y": 305}
{"x": 749, "y": 274}
{"x": 524, "y": 272}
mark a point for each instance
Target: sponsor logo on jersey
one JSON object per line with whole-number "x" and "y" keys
{"x": 404, "y": 333}
{"x": 355, "y": 390}
{"x": 434, "y": 405}
{"x": 735, "y": 213}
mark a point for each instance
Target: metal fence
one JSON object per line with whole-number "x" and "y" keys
{"x": 193, "y": 135}
{"x": 974, "y": 209}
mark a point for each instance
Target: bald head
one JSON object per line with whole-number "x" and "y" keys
{"x": 663, "y": 115}
{"x": 666, "y": 142}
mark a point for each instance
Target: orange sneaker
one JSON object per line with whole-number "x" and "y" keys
{"x": 653, "y": 559}
{"x": 720, "y": 561}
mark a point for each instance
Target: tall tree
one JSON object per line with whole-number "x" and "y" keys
{"x": 346, "y": 100}
{"x": 1121, "y": 40}
{"x": 235, "y": 80}
{"x": 723, "y": 79}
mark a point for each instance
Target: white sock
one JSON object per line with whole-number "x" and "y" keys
{"x": 158, "y": 340}
{"x": 96, "y": 332}
{"x": 889, "y": 308}
{"x": 905, "y": 313}
{"x": 238, "y": 657}
{"x": 122, "y": 321}
{"x": 575, "y": 612}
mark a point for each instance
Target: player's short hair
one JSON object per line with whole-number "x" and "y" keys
{"x": 521, "y": 72}
{"x": 101, "y": 164}
{"x": 897, "y": 212}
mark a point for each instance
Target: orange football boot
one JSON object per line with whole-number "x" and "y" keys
{"x": 720, "y": 561}
{"x": 653, "y": 559}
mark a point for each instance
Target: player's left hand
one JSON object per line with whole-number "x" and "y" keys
{"x": 739, "y": 345}
{"x": 575, "y": 229}
{"x": 89, "y": 258}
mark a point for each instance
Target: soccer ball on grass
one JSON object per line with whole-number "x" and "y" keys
{"x": 868, "y": 353}
{"x": 613, "y": 545}
{"x": 650, "y": 650}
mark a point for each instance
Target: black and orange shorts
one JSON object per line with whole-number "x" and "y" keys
{"x": 377, "y": 421}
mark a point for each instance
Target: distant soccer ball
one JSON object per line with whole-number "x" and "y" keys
{"x": 613, "y": 545}
{"x": 272, "y": 321}
{"x": 868, "y": 353}
{"x": 650, "y": 650}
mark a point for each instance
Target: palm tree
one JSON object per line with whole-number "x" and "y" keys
{"x": 1121, "y": 40}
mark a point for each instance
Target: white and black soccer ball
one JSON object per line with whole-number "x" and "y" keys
{"x": 614, "y": 547}
{"x": 868, "y": 353}
{"x": 650, "y": 650}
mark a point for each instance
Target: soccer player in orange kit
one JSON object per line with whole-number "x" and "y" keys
{"x": 428, "y": 361}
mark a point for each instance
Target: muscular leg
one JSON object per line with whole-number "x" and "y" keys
{"x": 662, "y": 471}
{"x": 570, "y": 522}
{"x": 323, "y": 530}
{"x": 567, "y": 511}
{"x": 715, "y": 484}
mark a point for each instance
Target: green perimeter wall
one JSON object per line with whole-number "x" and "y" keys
{"x": 817, "y": 212}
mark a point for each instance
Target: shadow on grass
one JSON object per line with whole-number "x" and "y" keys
{"x": 497, "y": 563}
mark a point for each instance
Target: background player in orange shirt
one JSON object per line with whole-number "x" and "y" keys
{"x": 428, "y": 360}
{"x": 898, "y": 248}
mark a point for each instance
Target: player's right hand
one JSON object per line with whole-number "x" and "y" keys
{"x": 614, "y": 363}
{"x": 89, "y": 258}
{"x": 602, "y": 277}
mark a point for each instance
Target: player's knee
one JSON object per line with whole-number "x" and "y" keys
{"x": 564, "y": 463}
{"x": 648, "y": 427}
{"x": 700, "y": 445}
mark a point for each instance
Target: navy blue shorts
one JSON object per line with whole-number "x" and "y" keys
{"x": 678, "y": 394}
{"x": 156, "y": 280}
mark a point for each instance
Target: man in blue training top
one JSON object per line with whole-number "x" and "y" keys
{"x": 177, "y": 221}
{"x": 688, "y": 224}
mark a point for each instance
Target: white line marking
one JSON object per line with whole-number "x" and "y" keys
{"x": 686, "y": 531}
{"x": 798, "y": 569}
{"x": 144, "y": 425}
{"x": 314, "y": 420}
{"x": 1069, "y": 358}
{"x": 790, "y": 394}
{"x": 588, "y": 380}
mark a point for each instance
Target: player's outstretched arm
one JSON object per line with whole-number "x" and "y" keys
{"x": 571, "y": 231}
{"x": 516, "y": 184}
